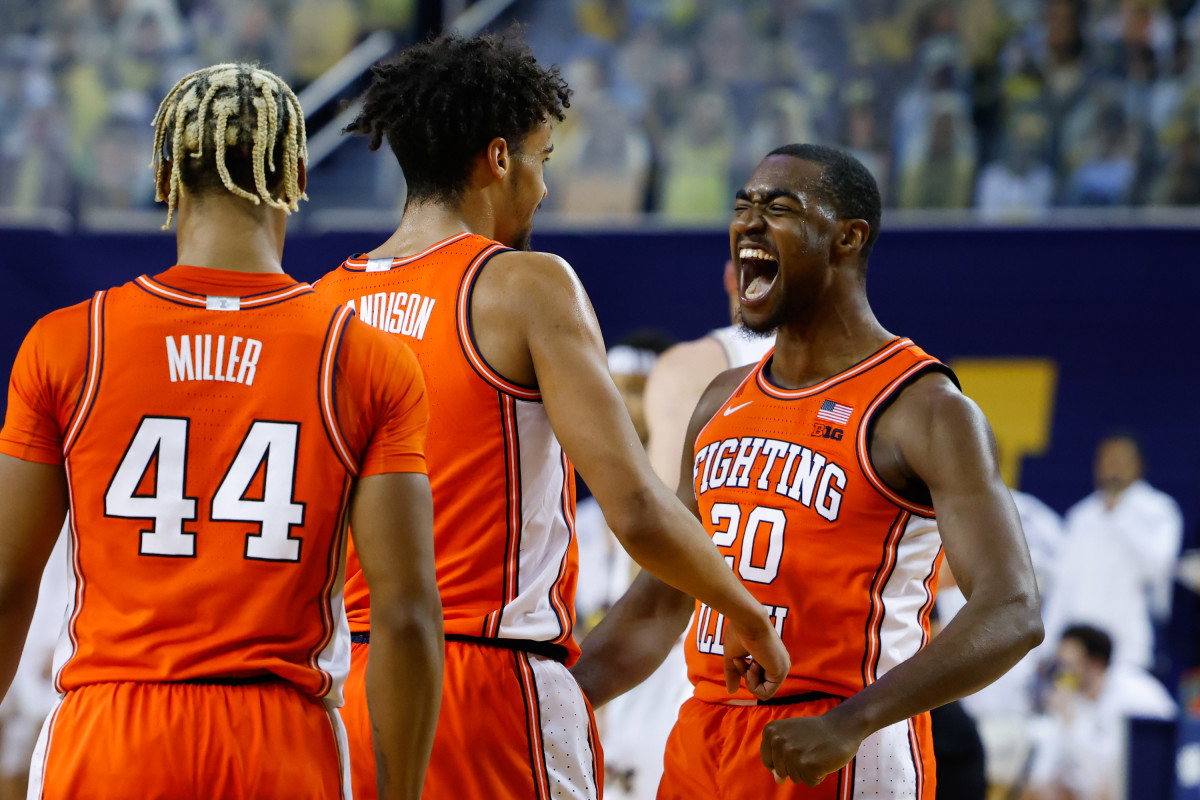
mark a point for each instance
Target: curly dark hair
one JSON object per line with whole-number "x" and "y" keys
{"x": 846, "y": 184}
{"x": 440, "y": 102}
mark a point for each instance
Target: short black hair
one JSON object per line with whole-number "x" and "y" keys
{"x": 652, "y": 339}
{"x": 1096, "y": 643}
{"x": 846, "y": 184}
{"x": 440, "y": 102}
{"x": 1122, "y": 435}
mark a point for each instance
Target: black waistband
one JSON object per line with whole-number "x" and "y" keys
{"x": 547, "y": 649}
{"x": 793, "y": 699}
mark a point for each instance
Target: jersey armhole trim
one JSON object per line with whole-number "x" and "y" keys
{"x": 466, "y": 336}
{"x": 879, "y": 404}
{"x": 328, "y": 395}
{"x": 95, "y": 368}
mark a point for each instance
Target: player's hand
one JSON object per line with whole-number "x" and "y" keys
{"x": 807, "y": 749}
{"x": 769, "y": 663}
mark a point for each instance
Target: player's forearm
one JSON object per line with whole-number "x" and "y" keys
{"x": 664, "y": 538}
{"x": 404, "y": 694}
{"x": 979, "y": 645}
{"x": 18, "y": 597}
{"x": 632, "y": 640}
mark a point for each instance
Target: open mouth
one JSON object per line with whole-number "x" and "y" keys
{"x": 758, "y": 272}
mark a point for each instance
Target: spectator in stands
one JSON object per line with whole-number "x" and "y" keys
{"x": 696, "y": 161}
{"x": 1078, "y": 749}
{"x": 33, "y": 147}
{"x": 1021, "y": 184}
{"x": 861, "y": 134}
{"x": 607, "y": 172}
{"x": 319, "y": 33}
{"x": 1179, "y": 183}
{"x": 118, "y": 180}
{"x": 783, "y": 116}
{"x": 1115, "y": 567}
{"x": 1106, "y": 177}
{"x": 939, "y": 166}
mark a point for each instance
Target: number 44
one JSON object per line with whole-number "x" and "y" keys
{"x": 271, "y": 445}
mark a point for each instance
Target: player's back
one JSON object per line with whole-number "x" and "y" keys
{"x": 208, "y": 481}
{"x": 503, "y": 490}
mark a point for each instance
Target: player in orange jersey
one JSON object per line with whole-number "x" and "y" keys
{"x": 806, "y": 469}
{"x": 210, "y": 430}
{"x": 519, "y": 390}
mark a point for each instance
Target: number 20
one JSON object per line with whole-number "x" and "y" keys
{"x": 272, "y": 445}
{"x": 731, "y": 514}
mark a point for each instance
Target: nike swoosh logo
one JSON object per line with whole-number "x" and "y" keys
{"x": 732, "y": 409}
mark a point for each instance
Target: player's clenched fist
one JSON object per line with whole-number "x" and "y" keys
{"x": 806, "y": 749}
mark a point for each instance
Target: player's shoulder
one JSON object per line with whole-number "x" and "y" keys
{"x": 719, "y": 390}
{"x": 532, "y": 267}
{"x": 69, "y": 321}
{"x": 698, "y": 356}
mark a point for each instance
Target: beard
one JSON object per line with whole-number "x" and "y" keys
{"x": 762, "y": 329}
{"x": 524, "y": 240}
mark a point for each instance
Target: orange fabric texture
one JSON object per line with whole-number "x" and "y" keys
{"x": 212, "y": 423}
{"x": 184, "y": 741}
{"x": 786, "y": 490}
{"x": 503, "y": 493}
{"x": 715, "y": 751}
{"x": 484, "y": 741}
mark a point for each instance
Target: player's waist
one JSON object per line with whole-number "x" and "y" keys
{"x": 550, "y": 650}
{"x": 783, "y": 700}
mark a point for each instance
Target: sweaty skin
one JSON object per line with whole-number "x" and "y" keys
{"x": 931, "y": 442}
{"x": 535, "y": 326}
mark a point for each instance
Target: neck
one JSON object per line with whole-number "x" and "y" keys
{"x": 834, "y": 337}
{"x": 229, "y": 233}
{"x": 427, "y": 223}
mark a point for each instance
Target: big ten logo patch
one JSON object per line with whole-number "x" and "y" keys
{"x": 828, "y": 432}
{"x": 1017, "y": 395}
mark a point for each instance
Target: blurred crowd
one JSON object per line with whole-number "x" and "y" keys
{"x": 1011, "y": 107}
{"x": 1008, "y": 107}
{"x": 80, "y": 81}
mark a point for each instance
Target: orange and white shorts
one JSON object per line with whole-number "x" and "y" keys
{"x": 715, "y": 751}
{"x": 513, "y": 725}
{"x": 190, "y": 740}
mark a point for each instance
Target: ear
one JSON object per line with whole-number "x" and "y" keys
{"x": 849, "y": 239}
{"x": 497, "y": 158}
{"x": 163, "y": 188}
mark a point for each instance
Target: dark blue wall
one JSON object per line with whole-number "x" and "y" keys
{"x": 1116, "y": 309}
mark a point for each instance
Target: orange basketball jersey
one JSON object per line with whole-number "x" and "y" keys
{"x": 503, "y": 490}
{"x": 211, "y": 424}
{"x": 785, "y": 487}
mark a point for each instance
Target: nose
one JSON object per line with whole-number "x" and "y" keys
{"x": 749, "y": 220}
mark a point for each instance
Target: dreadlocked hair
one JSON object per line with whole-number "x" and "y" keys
{"x": 235, "y": 125}
{"x": 439, "y": 103}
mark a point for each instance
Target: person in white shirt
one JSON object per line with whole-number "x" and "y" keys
{"x": 1116, "y": 565}
{"x": 1080, "y": 745}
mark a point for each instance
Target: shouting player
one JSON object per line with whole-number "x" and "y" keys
{"x": 515, "y": 365}
{"x": 209, "y": 430}
{"x": 806, "y": 469}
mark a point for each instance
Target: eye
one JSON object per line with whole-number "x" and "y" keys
{"x": 778, "y": 208}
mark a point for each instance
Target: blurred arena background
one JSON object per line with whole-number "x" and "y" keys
{"x": 1039, "y": 162}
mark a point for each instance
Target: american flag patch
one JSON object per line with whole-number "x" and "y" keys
{"x": 835, "y": 412}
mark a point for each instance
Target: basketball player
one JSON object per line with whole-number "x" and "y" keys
{"x": 210, "y": 430}
{"x": 806, "y": 468}
{"x": 516, "y": 366}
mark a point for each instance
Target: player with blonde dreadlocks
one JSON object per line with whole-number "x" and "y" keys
{"x": 209, "y": 430}
{"x": 208, "y": 115}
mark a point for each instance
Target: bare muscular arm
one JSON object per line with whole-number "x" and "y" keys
{"x": 391, "y": 518}
{"x": 638, "y": 632}
{"x": 673, "y": 389}
{"x": 33, "y": 504}
{"x": 535, "y": 326}
{"x": 934, "y": 434}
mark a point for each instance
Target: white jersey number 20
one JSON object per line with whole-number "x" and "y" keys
{"x": 269, "y": 445}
